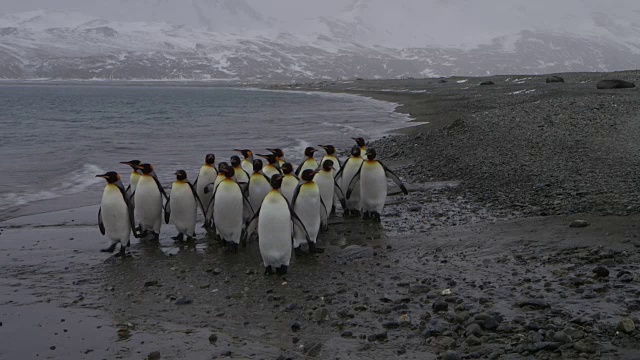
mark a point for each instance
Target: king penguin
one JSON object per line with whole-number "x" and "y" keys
{"x": 134, "y": 177}
{"x": 345, "y": 175}
{"x": 361, "y": 144}
{"x": 372, "y": 178}
{"x": 247, "y": 162}
{"x": 289, "y": 182}
{"x": 207, "y": 175}
{"x": 309, "y": 162}
{"x": 181, "y": 207}
{"x": 115, "y": 217}
{"x": 329, "y": 188}
{"x": 148, "y": 199}
{"x": 308, "y": 205}
{"x": 274, "y": 222}
{"x": 229, "y": 207}
{"x": 331, "y": 155}
{"x": 241, "y": 176}
{"x": 259, "y": 185}
{"x": 279, "y": 156}
{"x": 272, "y": 166}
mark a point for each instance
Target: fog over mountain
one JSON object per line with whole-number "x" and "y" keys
{"x": 297, "y": 39}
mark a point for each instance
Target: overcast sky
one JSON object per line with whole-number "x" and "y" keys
{"x": 404, "y": 22}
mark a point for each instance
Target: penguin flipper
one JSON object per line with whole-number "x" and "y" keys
{"x": 155, "y": 178}
{"x": 339, "y": 174}
{"x": 195, "y": 195}
{"x": 338, "y": 190}
{"x": 252, "y": 226}
{"x": 100, "y": 223}
{"x": 300, "y": 225}
{"x": 246, "y": 204}
{"x": 354, "y": 182}
{"x": 128, "y": 200}
{"x": 394, "y": 177}
{"x": 324, "y": 221}
{"x": 167, "y": 211}
{"x": 297, "y": 172}
{"x": 296, "y": 192}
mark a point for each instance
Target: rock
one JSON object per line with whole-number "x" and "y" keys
{"x": 600, "y": 271}
{"x": 442, "y": 81}
{"x": 615, "y": 84}
{"x": 184, "y": 301}
{"x": 401, "y": 351}
{"x": 623, "y": 276}
{"x": 487, "y": 82}
{"x": 546, "y": 345}
{"x": 440, "y": 306}
{"x": 626, "y": 325}
{"x": 554, "y": 79}
{"x": 155, "y": 355}
{"x": 584, "y": 346}
{"x": 312, "y": 350}
{"x": 490, "y": 323}
{"x": 378, "y": 336}
{"x": 447, "y": 342}
{"x": 404, "y": 320}
{"x": 451, "y": 355}
{"x": 321, "y": 314}
{"x": 436, "y": 327}
{"x": 473, "y": 341}
{"x": 473, "y": 329}
{"x": 151, "y": 283}
{"x": 391, "y": 324}
{"x": 561, "y": 337}
{"x": 52, "y": 347}
{"x": 347, "y": 334}
{"x": 533, "y": 326}
{"x": 213, "y": 338}
{"x": 535, "y": 304}
{"x": 579, "y": 224}
{"x": 419, "y": 289}
{"x": 295, "y": 326}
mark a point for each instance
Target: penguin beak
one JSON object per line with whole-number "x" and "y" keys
{"x": 104, "y": 176}
{"x": 125, "y": 162}
{"x": 139, "y": 167}
{"x": 323, "y": 146}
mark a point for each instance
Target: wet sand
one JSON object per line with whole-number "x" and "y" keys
{"x": 447, "y": 274}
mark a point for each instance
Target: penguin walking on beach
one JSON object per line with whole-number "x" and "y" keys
{"x": 331, "y": 155}
{"x": 259, "y": 185}
{"x": 247, "y": 162}
{"x": 372, "y": 180}
{"x": 329, "y": 188}
{"x": 148, "y": 200}
{"x": 309, "y": 162}
{"x": 272, "y": 166}
{"x": 308, "y": 205}
{"x": 115, "y": 217}
{"x": 207, "y": 175}
{"x": 134, "y": 177}
{"x": 181, "y": 208}
{"x": 345, "y": 175}
{"x": 229, "y": 206}
{"x": 279, "y": 156}
{"x": 289, "y": 182}
{"x": 275, "y": 221}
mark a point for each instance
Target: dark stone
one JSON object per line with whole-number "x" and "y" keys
{"x": 184, "y": 301}
{"x": 313, "y": 349}
{"x": 584, "y": 346}
{"x": 487, "y": 82}
{"x": 561, "y": 337}
{"x": 554, "y": 79}
{"x": 533, "y": 326}
{"x": 347, "y": 334}
{"x": 378, "y": 336}
{"x": 623, "y": 276}
{"x": 579, "y": 224}
{"x": 419, "y": 289}
{"x": 626, "y": 325}
{"x": 546, "y": 345}
{"x": 155, "y": 355}
{"x": 601, "y": 271}
{"x": 473, "y": 341}
{"x": 295, "y": 326}
{"x": 391, "y": 324}
{"x": 615, "y": 84}
{"x": 473, "y": 329}
{"x": 451, "y": 355}
{"x": 536, "y": 304}
{"x": 490, "y": 323}
{"x": 151, "y": 283}
{"x": 52, "y": 347}
{"x": 213, "y": 338}
{"x": 401, "y": 351}
{"x": 442, "y": 81}
{"x": 440, "y": 306}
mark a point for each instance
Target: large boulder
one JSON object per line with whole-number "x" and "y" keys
{"x": 615, "y": 84}
{"x": 554, "y": 79}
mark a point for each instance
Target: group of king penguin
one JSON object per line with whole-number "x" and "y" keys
{"x": 287, "y": 208}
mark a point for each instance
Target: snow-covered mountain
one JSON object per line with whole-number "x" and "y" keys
{"x": 238, "y": 40}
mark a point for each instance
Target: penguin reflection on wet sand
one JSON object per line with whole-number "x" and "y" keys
{"x": 148, "y": 200}
{"x": 207, "y": 175}
{"x": 308, "y": 205}
{"x": 273, "y": 222}
{"x": 344, "y": 177}
{"x": 371, "y": 182}
{"x": 181, "y": 209}
{"x": 115, "y": 217}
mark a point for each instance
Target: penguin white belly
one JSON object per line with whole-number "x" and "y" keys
{"x": 228, "y": 211}
{"x": 240, "y": 176}
{"x": 148, "y": 204}
{"x": 350, "y": 170}
{"x": 309, "y": 164}
{"x": 308, "y": 209}
{"x": 274, "y": 231}
{"x": 270, "y": 170}
{"x": 326, "y": 184}
{"x": 259, "y": 187}
{"x": 289, "y": 184}
{"x": 373, "y": 187}
{"x": 115, "y": 215}
{"x": 133, "y": 181}
{"x": 206, "y": 176}
{"x": 183, "y": 207}
{"x": 336, "y": 163}
{"x": 247, "y": 166}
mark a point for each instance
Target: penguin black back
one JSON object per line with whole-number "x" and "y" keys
{"x": 210, "y": 159}
{"x": 276, "y": 181}
{"x": 235, "y": 161}
{"x": 257, "y": 165}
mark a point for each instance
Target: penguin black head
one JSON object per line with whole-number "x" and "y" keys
{"x": 271, "y": 158}
{"x": 111, "y": 177}
{"x": 277, "y": 152}
{"x": 287, "y": 168}
{"x": 181, "y": 175}
{"x": 132, "y": 163}
{"x": 355, "y": 151}
{"x": 327, "y": 165}
{"x": 330, "y": 149}
{"x": 228, "y": 171}
{"x": 245, "y": 152}
{"x": 308, "y": 174}
{"x": 145, "y": 168}
{"x": 359, "y": 141}
{"x": 276, "y": 181}
{"x": 210, "y": 159}
{"x": 308, "y": 152}
{"x": 235, "y": 161}
{"x": 371, "y": 153}
{"x": 257, "y": 165}
{"x": 222, "y": 165}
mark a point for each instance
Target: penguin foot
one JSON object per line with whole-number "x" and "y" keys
{"x": 282, "y": 270}
{"x": 299, "y": 251}
{"x": 110, "y": 249}
{"x": 313, "y": 249}
{"x": 178, "y": 237}
{"x": 268, "y": 270}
